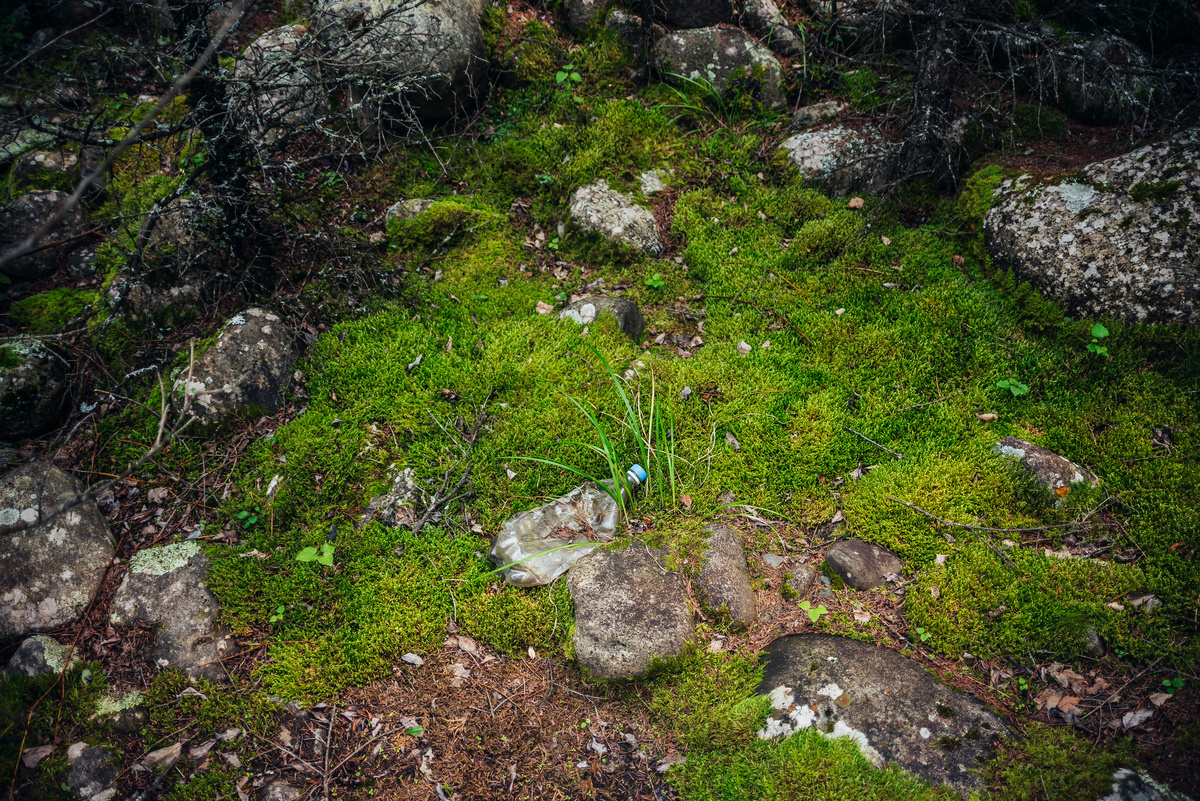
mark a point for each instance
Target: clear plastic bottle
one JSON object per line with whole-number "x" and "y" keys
{"x": 531, "y": 544}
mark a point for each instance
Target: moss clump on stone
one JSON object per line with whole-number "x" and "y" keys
{"x": 50, "y": 312}
{"x": 1154, "y": 191}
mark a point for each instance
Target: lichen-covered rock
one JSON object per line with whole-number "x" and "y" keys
{"x": 633, "y": 29}
{"x": 1131, "y": 786}
{"x": 165, "y": 586}
{"x": 51, "y": 570}
{"x": 93, "y": 772}
{"x": 690, "y": 13}
{"x": 38, "y": 656}
{"x": 396, "y": 56}
{"x": 723, "y": 585}
{"x": 1104, "y": 79}
{"x": 768, "y": 23}
{"x": 595, "y": 207}
{"x": 140, "y": 301}
{"x": 841, "y": 160}
{"x": 407, "y": 209}
{"x": 585, "y": 311}
{"x": 581, "y": 13}
{"x": 809, "y": 116}
{"x": 861, "y": 565}
{"x": 33, "y": 380}
{"x": 246, "y": 370}
{"x": 734, "y": 63}
{"x": 629, "y": 611}
{"x": 184, "y": 239}
{"x": 890, "y": 706}
{"x": 124, "y": 713}
{"x": 23, "y": 217}
{"x": 1124, "y": 244}
{"x": 274, "y": 92}
{"x": 1052, "y": 471}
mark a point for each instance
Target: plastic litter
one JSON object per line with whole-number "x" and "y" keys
{"x": 530, "y": 545}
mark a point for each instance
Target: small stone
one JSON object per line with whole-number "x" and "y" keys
{"x": 1052, "y": 471}
{"x": 723, "y": 584}
{"x": 721, "y": 55}
{"x": 413, "y": 659}
{"x": 824, "y": 592}
{"x": 773, "y": 561}
{"x": 825, "y": 580}
{"x": 809, "y": 116}
{"x": 1094, "y": 645}
{"x": 586, "y": 310}
{"x": 38, "y": 656}
{"x": 861, "y": 565}
{"x": 801, "y": 579}
{"x": 596, "y": 208}
{"x": 279, "y": 790}
{"x": 92, "y": 772}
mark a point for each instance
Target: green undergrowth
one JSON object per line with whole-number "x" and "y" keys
{"x": 52, "y": 311}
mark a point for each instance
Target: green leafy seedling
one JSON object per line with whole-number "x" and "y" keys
{"x": 277, "y": 615}
{"x": 567, "y": 75}
{"x": 924, "y": 635}
{"x": 1099, "y": 332}
{"x": 322, "y": 557}
{"x": 1173, "y": 685}
{"x": 656, "y": 282}
{"x": 414, "y": 731}
{"x": 1013, "y": 385}
{"x": 248, "y": 517}
{"x": 814, "y": 613}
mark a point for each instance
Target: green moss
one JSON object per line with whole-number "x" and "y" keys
{"x": 9, "y": 358}
{"x": 443, "y": 224}
{"x": 1052, "y": 763}
{"x": 976, "y": 198}
{"x": 1154, "y": 191}
{"x": 861, "y": 89}
{"x": 50, "y": 312}
{"x": 492, "y": 23}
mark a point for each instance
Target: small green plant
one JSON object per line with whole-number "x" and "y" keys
{"x": 1013, "y": 385}
{"x": 331, "y": 179}
{"x": 656, "y": 282}
{"x": 1173, "y": 686}
{"x": 567, "y": 79}
{"x": 814, "y": 613}
{"x": 277, "y": 615}
{"x": 249, "y": 517}
{"x": 324, "y": 556}
{"x": 1099, "y": 332}
{"x": 923, "y": 634}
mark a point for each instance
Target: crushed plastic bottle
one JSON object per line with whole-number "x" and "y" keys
{"x": 531, "y": 544}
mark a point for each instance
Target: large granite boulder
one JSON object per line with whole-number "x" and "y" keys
{"x": 1123, "y": 243}
{"x": 245, "y": 371}
{"x": 274, "y": 90}
{"x": 585, "y": 311}
{"x": 723, "y": 585}
{"x": 396, "y": 56}
{"x": 689, "y": 13}
{"x": 23, "y": 217}
{"x": 629, "y": 611}
{"x": 165, "y": 586}
{"x": 889, "y": 705}
{"x": 841, "y": 160}
{"x": 1052, "y": 471}
{"x": 734, "y": 63}
{"x": 50, "y": 571}
{"x": 33, "y": 380}
{"x": 616, "y": 217}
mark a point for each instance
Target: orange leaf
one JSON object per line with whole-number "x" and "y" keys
{"x": 1063, "y": 490}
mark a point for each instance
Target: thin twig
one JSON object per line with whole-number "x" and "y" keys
{"x": 873, "y": 442}
{"x": 328, "y": 749}
{"x": 1123, "y": 686}
{"x": 930, "y": 403}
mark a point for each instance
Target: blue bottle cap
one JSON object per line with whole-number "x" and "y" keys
{"x": 638, "y": 472}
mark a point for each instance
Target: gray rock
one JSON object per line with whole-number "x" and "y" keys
{"x": 274, "y": 92}
{"x": 37, "y": 656}
{"x": 139, "y": 301}
{"x": 62, "y": 162}
{"x": 82, "y": 263}
{"x": 407, "y": 209}
{"x": 183, "y": 238}
{"x": 165, "y": 586}
{"x": 396, "y": 56}
{"x": 723, "y": 585}
{"x": 246, "y": 370}
{"x": 801, "y": 579}
{"x": 1125, "y": 244}
{"x": 861, "y": 565}
{"x": 727, "y": 58}
{"x": 93, "y": 771}
{"x": 33, "y": 381}
{"x": 1104, "y": 79}
{"x": 629, "y": 611}
{"x": 890, "y": 706}
{"x": 768, "y": 23}
{"x": 596, "y": 208}
{"x": 691, "y": 13}
{"x": 841, "y": 160}
{"x": 825, "y": 580}
{"x": 581, "y": 13}
{"x": 824, "y": 592}
{"x": 18, "y": 140}
{"x": 632, "y": 29}
{"x": 1093, "y": 644}
{"x": 52, "y": 570}
{"x": 23, "y": 217}
{"x": 585, "y": 311}
{"x": 809, "y": 116}
{"x": 1131, "y": 786}
{"x": 653, "y": 181}
{"x": 773, "y": 561}
{"x": 279, "y": 790}
{"x": 1051, "y": 470}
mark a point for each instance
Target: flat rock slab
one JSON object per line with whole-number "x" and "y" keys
{"x": 1054, "y": 472}
{"x": 596, "y": 208}
{"x": 585, "y": 311}
{"x": 247, "y": 369}
{"x": 165, "y": 586}
{"x": 48, "y": 573}
{"x": 629, "y": 611}
{"x": 1125, "y": 243}
{"x": 723, "y": 585}
{"x": 93, "y": 771}
{"x": 861, "y": 565}
{"x": 731, "y": 61}
{"x": 891, "y": 706}
{"x": 841, "y": 160}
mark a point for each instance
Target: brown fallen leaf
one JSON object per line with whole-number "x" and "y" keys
{"x": 855, "y": 203}
{"x": 1068, "y": 705}
{"x": 988, "y": 417}
{"x": 1047, "y": 698}
{"x": 543, "y": 307}
{"x": 162, "y": 758}
{"x": 686, "y": 500}
{"x": 30, "y": 757}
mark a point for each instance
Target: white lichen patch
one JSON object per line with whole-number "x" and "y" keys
{"x": 157, "y": 561}
{"x": 111, "y": 705}
{"x": 796, "y": 717}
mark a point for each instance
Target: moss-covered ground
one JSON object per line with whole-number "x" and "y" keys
{"x": 859, "y": 328}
